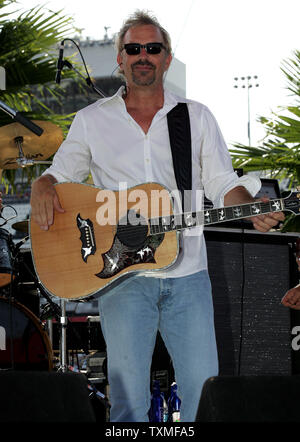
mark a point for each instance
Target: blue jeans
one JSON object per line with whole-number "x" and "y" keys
{"x": 131, "y": 313}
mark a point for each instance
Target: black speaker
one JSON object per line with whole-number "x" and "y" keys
{"x": 250, "y": 272}
{"x": 250, "y": 399}
{"x": 44, "y": 397}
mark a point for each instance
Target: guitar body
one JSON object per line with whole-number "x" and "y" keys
{"x": 105, "y": 236}
{"x": 90, "y": 246}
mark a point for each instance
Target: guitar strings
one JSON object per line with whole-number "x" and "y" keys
{"x": 172, "y": 226}
{"x": 133, "y": 230}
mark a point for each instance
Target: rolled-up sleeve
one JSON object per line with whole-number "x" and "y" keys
{"x": 218, "y": 175}
{"x": 72, "y": 160}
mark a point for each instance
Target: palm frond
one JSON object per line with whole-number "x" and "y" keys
{"x": 28, "y": 53}
{"x": 279, "y": 153}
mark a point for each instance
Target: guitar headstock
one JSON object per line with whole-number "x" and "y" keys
{"x": 292, "y": 202}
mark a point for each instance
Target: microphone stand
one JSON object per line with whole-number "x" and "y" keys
{"x": 63, "y": 337}
{"x": 63, "y": 317}
{"x": 19, "y": 118}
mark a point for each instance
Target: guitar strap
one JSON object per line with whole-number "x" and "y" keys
{"x": 181, "y": 147}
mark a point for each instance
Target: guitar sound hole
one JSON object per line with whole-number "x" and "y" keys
{"x": 132, "y": 229}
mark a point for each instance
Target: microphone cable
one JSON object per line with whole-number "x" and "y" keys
{"x": 70, "y": 66}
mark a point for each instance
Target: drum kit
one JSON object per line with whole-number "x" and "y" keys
{"x": 24, "y": 342}
{"x": 25, "y": 332}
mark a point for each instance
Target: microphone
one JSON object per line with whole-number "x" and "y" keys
{"x": 60, "y": 62}
{"x": 21, "y": 119}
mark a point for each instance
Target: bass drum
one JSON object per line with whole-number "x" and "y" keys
{"x": 24, "y": 345}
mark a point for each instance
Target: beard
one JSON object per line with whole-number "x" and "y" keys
{"x": 143, "y": 78}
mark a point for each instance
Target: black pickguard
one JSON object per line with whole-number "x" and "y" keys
{"x": 121, "y": 256}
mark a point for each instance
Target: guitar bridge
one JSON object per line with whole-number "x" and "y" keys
{"x": 87, "y": 237}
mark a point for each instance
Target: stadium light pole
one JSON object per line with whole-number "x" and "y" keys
{"x": 247, "y": 83}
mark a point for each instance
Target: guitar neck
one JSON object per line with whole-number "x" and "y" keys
{"x": 213, "y": 216}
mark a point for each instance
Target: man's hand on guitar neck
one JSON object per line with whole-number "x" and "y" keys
{"x": 44, "y": 201}
{"x": 262, "y": 223}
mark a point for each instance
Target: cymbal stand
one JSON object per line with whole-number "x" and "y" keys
{"x": 51, "y": 310}
{"x": 63, "y": 337}
{"x": 22, "y": 160}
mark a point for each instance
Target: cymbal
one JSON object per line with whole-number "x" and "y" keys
{"x": 36, "y": 148}
{"x": 21, "y": 226}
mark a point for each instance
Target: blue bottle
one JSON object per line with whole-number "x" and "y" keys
{"x": 174, "y": 403}
{"x": 165, "y": 411}
{"x": 157, "y": 404}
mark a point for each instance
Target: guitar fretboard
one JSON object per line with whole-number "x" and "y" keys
{"x": 213, "y": 216}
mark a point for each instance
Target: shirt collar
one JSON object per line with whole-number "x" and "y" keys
{"x": 170, "y": 99}
{"x": 117, "y": 95}
{"x": 173, "y": 99}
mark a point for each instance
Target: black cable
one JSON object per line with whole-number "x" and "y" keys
{"x": 111, "y": 75}
{"x": 79, "y": 50}
{"x": 77, "y": 336}
{"x": 11, "y": 318}
{"x": 88, "y": 79}
{"x": 242, "y": 301}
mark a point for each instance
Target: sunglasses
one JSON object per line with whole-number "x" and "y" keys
{"x": 151, "y": 48}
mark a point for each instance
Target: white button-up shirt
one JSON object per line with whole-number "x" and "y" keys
{"x": 107, "y": 142}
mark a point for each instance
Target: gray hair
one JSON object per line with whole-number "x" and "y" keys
{"x": 139, "y": 18}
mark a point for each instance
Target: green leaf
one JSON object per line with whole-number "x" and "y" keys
{"x": 27, "y": 52}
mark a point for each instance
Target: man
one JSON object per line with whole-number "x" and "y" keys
{"x": 125, "y": 138}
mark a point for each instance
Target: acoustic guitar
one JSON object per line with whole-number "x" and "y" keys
{"x": 106, "y": 236}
